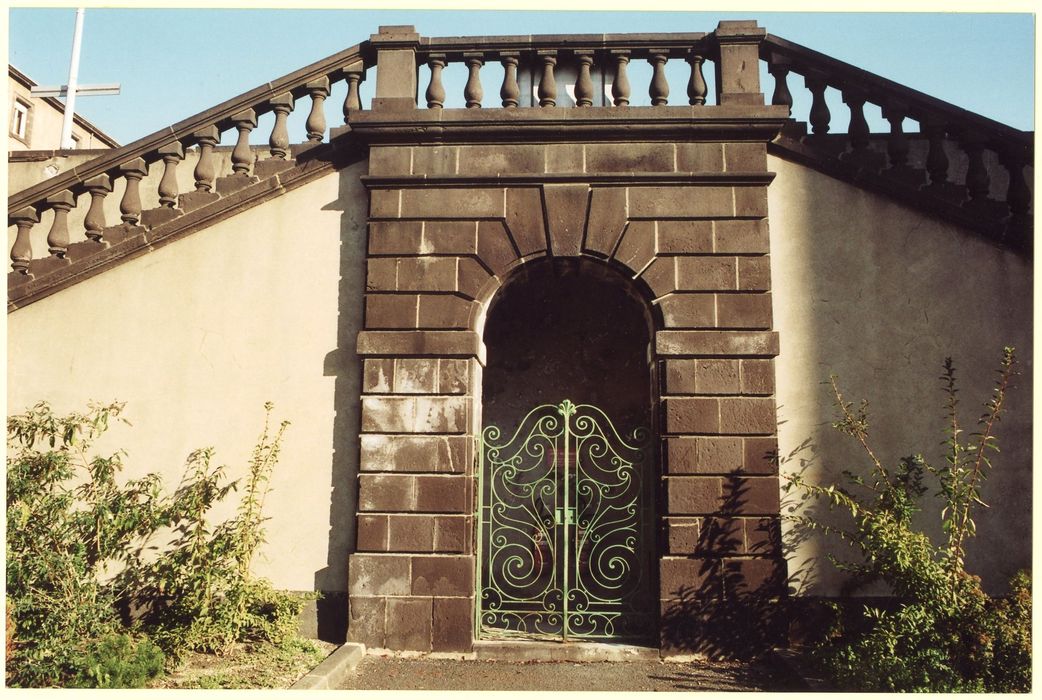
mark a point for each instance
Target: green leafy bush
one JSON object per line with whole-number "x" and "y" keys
{"x": 943, "y": 633}
{"x": 81, "y": 552}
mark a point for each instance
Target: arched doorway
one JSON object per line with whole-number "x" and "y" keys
{"x": 567, "y": 476}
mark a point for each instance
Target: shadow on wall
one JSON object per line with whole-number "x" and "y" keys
{"x": 734, "y": 609}
{"x": 343, "y": 364}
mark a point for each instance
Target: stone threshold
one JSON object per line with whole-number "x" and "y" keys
{"x": 518, "y": 650}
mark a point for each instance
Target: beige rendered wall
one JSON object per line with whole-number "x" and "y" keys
{"x": 880, "y": 294}
{"x": 197, "y": 335}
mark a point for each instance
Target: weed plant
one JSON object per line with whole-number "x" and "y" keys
{"x": 943, "y": 633}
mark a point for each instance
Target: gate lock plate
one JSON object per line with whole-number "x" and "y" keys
{"x": 564, "y": 516}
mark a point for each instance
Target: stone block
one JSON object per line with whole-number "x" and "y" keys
{"x": 426, "y": 274}
{"x": 741, "y": 236}
{"x": 661, "y": 276}
{"x": 377, "y": 376}
{"x": 453, "y": 624}
{"x": 372, "y": 533}
{"x": 745, "y": 311}
{"x": 607, "y": 219}
{"x": 704, "y": 455}
{"x": 704, "y": 343}
{"x": 721, "y": 537}
{"x": 682, "y": 535}
{"x": 444, "y": 494}
{"x": 443, "y": 311}
{"x": 229, "y": 184}
{"x": 750, "y": 200}
{"x": 378, "y": 574}
{"x": 410, "y": 533}
{"x": 495, "y": 247}
{"x": 762, "y": 536}
{"x": 688, "y": 310}
{"x": 386, "y": 492}
{"x": 756, "y": 576}
{"x": 665, "y": 202}
{"x": 501, "y": 159}
{"x": 390, "y": 310}
{"x": 385, "y": 203}
{"x": 390, "y": 160}
{"x": 637, "y": 247}
{"x": 692, "y": 415}
{"x": 396, "y": 238}
{"x": 681, "y": 577}
{"x": 443, "y": 575}
{"x": 745, "y": 157}
{"x": 748, "y": 416}
{"x": 700, "y": 157}
{"x": 524, "y": 219}
{"x": 564, "y": 158}
{"x": 757, "y": 377}
{"x": 414, "y": 375}
{"x": 684, "y": 237}
{"x": 452, "y": 203}
{"x": 707, "y": 274}
{"x": 753, "y": 495}
{"x": 446, "y": 343}
{"x": 449, "y": 238}
{"x": 754, "y": 274}
{"x": 420, "y": 414}
{"x": 471, "y": 278}
{"x": 717, "y": 377}
{"x": 760, "y": 455}
{"x": 408, "y": 624}
{"x": 566, "y": 208}
{"x": 381, "y": 274}
{"x": 366, "y": 621}
{"x": 694, "y": 495}
{"x": 414, "y": 453}
{"x": 452, "y": 533}
{"x": 190, "y": 201}
{"x": 264, "y": 169}
{"x": 629, "y": 157}
{"x": 453, "y": 376}
{"x": 434, "y": 160}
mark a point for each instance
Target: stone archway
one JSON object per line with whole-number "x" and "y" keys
{"x": 567, "y": 475}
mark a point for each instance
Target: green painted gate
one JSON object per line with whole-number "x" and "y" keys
{"x": 565, "y": 542}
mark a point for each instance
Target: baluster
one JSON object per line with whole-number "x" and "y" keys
{"x": 22, "y": 252}
{"x": 819, "y": 110}
{"x": 659, "y": 88}
{"x": 354, "y": 73}
{"x": 936, "y": 158}
{"x": 858, "y": 131}
{"x": 94, "y": 223}
{"x": 472, "y": 92}
{"x": 130, "y": 205}
{"x": 978, "y": 182}
{"x": 897, "y": 147}
{"x": 547, "y": 84}
{"x": 584, "y": 84}
{"x": 172, "y": 154}
{"x": 279, "y": 141}
{"x": 620, "y": 87}
{"x": 779, "y": 67}
{"x": 696, "y": 85}
{"x": 316, "y": 121}
{"x": 1018, "y": 194}
{"x": 58, "y": 238}
{"x": 435, "y": 91}
{"x": 242, "y": 157}
{"x": 205, "y": 170}
{"x": 510, "y": 93}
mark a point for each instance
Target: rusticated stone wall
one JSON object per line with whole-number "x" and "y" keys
{"x": 448, "y": 224}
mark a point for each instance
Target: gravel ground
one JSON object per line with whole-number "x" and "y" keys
{"x": 391, "y": 673}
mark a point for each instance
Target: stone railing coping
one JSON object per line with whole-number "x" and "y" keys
{"x": 568, "y": 42}
{"x": 878, "y": 89}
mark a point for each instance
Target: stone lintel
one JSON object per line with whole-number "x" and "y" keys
{"x": 421, "y": 343}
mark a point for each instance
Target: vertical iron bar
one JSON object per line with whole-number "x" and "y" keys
{"x": 480, "y": 534}
{"x": 564, "y": 587}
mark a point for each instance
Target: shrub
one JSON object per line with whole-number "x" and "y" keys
{"x": 81, "y": 548}
{"x": 943, "y": 633}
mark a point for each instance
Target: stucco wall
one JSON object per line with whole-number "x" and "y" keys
{"x": 879, "y": 295}
{"x": 197, "y": 335}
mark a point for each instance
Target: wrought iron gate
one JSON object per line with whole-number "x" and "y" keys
{"x": 565, "y": 541}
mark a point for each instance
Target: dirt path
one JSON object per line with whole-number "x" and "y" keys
{"x": 389, "y": 673}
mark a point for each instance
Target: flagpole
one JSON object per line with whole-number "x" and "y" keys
{"x": 70, "y": 98}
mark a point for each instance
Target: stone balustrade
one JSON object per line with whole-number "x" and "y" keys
{"x": 955, "y": 156}
{"x": 85, "y": 189}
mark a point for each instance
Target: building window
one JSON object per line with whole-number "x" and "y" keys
{"x": 75, "y": 141}
{"x": 20, "y": 120}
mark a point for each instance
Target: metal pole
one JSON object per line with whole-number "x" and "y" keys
{"x": 70, "y": 97}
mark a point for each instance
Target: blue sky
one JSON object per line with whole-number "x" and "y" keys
{"x": 175, "y": 63}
